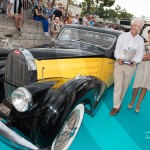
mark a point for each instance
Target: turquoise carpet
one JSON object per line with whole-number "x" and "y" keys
{"x": 128, "y": 130}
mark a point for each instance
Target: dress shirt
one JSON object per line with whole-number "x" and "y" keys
{"x": 127, "y": 41}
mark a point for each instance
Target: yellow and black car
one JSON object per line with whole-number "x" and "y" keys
{"x": 49, "y": 88}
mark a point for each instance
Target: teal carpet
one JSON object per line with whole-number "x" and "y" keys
{"x": 127, "y": 130}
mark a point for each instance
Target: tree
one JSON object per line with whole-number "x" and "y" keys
{"x": 99, "y": 5}
{"x": 117, "y": 13}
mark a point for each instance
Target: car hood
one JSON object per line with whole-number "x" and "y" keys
{"x": 51, "y": 53}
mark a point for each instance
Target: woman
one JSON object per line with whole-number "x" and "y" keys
{"x": 142, "y": 79}
{"x": 39, "y": 16}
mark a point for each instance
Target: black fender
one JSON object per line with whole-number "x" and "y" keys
{"x": 52, "y": 107}
{"x": 60, "y": 105}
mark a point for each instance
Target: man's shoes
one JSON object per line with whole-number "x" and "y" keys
{"x": 114, "y": 111}
{"x": 19, "y": 31}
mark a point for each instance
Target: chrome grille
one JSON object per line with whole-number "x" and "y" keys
{"x": 20, "y": 70}
{"x": 16, "y": 71}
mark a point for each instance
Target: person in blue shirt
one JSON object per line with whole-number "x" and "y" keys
{"x": 49, "y": 12}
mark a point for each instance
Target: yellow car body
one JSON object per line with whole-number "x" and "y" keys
{"x": 101, "y": 68}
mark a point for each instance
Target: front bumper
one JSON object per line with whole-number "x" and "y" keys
{"x": 15, "y": 140}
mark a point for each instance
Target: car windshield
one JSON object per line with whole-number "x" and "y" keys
{"x": 86, "y": 38}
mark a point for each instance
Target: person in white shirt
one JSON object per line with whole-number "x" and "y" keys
{"x": 126, "y": 44}
{"x": 85, "y": 21}
{"x": 15, "y": 10}
{"x": 76, "y": 19}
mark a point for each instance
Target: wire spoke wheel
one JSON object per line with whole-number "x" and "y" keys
{"x": 69, "y": 130}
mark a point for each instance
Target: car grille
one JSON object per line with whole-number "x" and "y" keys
{"x": 16, "y": 69}
{"x": 17, "y": 72}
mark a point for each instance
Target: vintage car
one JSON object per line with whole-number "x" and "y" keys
{"x": 49, "y": 89}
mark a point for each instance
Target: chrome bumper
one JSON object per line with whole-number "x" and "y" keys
{"x": 13, "y": 139}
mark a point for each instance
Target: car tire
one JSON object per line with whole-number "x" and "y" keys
{"x": 69, "y": 130}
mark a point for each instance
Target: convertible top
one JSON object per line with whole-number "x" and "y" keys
{"x": 53, "y": 53}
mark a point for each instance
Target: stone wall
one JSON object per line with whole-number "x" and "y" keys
{"x": 33, "y": 34}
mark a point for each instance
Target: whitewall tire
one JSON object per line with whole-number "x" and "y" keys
{"x": 69, "y": 130}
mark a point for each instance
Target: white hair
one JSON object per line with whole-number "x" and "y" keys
{"x": 137, "y": 20}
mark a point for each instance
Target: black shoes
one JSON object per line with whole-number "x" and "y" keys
{"x": 19, "y": 31}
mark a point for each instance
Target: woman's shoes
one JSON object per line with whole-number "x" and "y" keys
{"x": 137, "y": 110}
{"x": 130, "y": 106}
{"x": 46, "y": 33}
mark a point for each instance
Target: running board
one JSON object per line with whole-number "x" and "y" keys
{"x": 3, "y": 116}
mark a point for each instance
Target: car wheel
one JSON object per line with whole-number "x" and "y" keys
{"x": 69, "y": 130}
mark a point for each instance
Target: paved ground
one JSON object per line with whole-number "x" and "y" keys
{"x": 4, "y": 109}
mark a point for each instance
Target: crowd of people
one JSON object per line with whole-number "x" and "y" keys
{"x": 49, "y": 14}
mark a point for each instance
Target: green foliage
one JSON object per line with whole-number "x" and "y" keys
{"x": 89, "y": 5}
{"x": 96, "y": 7}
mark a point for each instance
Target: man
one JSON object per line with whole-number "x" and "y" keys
{"x": 15, "y": 10}
{"x": 123, "y": 72}
{"x": 55, "y": 28}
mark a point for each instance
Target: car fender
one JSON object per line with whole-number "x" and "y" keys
{"x": 61, "y": 103}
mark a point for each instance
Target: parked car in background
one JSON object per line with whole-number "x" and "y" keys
{"x": 49, "y": 88}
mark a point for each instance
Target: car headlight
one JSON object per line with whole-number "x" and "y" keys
{"x": 22, "y": 99}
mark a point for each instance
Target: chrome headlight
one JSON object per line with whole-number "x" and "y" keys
{"x": 22, "y": 99}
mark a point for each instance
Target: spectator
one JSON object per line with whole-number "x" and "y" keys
{"x": 57, "y": 13}
{"x": 69, "y": 17}
{"x": 92, "y": 21}
{"x": 85, "y": 21}
{"x": 55, "y": 28}
{"x": 39, "y": 16}
{"x": 15, "y": 10}
{"x": 49, "y": 12}
{"x": 54, "y": 6}
{"x": 80, "y": 20}
{"x": 76, "y": 19}
{"x": 27, "y": 9}
{"x": 64, "y": 16}
{"x": 65, "y": 22}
